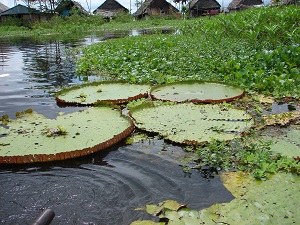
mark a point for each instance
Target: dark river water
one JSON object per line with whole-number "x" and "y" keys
{"x": 102, "y": 188}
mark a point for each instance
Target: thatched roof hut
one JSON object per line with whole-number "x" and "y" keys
{"x": 3, "y": 7}
{"x": 155, "y": 8}
{"x": 236, "y": 5}
{"x": 110, "y": 8}
{"x": 204, "y": 7}
{"x": 65, "y": 7}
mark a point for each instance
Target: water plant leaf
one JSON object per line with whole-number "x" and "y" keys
{"x": 274, "y": 201}
{"x": 196, "y": 91}
{"x": 91, "y": 93}
{"x": 35, "y": 138}
{"x": 286, "y": 141}
{"x": 191, "y": 124}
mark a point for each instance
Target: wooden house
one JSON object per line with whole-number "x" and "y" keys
{"x": 156, "y": 8}
{"x": 110, "y": 8}
{"x": 3, "y": 7}
{"x": 66, "y": 7}
{"x": 23, "y": 12}
{"x": 237, "y": 5}
{"x": 203, "y": 8}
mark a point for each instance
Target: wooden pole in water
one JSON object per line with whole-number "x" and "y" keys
{"x": 45, "y": 218}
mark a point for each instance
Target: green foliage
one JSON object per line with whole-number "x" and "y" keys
{"x": 255, "y": 158}
{"x": 257, "y": 49}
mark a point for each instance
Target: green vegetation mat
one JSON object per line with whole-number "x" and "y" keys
{"x": 256, "y": 49}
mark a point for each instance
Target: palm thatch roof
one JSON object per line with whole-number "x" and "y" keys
{"x": 204, "y": 4}
{"x": 284, "y": 2}
{"x": 19, "y": 10}
{"x": 66, "y": 5}
{"x": 149, "y": 5}
{"x": 3, "y": 7}
{"x": 243, "y": 4}
{"x": 110, "y": 8}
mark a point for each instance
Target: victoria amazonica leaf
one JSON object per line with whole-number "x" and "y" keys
{"x": 191, "y": 124}
{"x": 35, "y": 138}
{"x": 196, "y": 91}
{"x": 91, "y": 93}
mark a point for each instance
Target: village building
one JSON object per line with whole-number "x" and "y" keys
{"x": 3, "y": 7}
{"x": 203, "y": 8}
{"x": 237, "y": 5}
{"x": 66, "y": 8}
{"x": 156, "y": 8}
{"x": 110, "y": 8}
{"x": 23, "y": 12}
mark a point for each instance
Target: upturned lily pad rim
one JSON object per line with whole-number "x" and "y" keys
{"x": 152, "y": 104}
{"x": 63, "y": 103}
{"x": 37, "y": 158}
{"x": 197, "y": 101}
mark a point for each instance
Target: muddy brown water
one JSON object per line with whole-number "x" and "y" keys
{"x": 102, "y": 188}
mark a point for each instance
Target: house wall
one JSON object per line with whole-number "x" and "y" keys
{"x": 159, "y": 8}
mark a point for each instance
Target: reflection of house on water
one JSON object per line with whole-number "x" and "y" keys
{"x": 4, "y": 49}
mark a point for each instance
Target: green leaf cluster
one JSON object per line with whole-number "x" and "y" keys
{"x": 241, "y": 154}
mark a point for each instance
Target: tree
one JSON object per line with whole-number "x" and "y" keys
{"x": 43, "y": 5}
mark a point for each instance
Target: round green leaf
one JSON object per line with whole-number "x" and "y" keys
{"x": 35, "y": 138}
{"x": 191, "y": 124}
{"x": 196, "y": 91}
{"x": 91, "y": 93}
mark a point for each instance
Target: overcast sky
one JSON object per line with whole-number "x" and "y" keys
{"x": 96, "y": 3}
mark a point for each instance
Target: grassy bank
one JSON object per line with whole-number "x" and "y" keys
{"x": 257, "y": 49}
{"x": 78, "y": 25}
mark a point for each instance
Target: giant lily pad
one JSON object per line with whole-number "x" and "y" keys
{"x": 91, "y": 93}
{"x": 191, "y": 124}
{"x": 196, "y": 91}
{"x": 35, "y": 138}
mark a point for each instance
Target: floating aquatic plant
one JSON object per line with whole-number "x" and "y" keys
{"x": 91, "y": 93}
{"x": 255, "y": 203}
{"x": 196, "y": 91}
{"x": 35, "y": 138}
{"x": 191, "y": 124}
